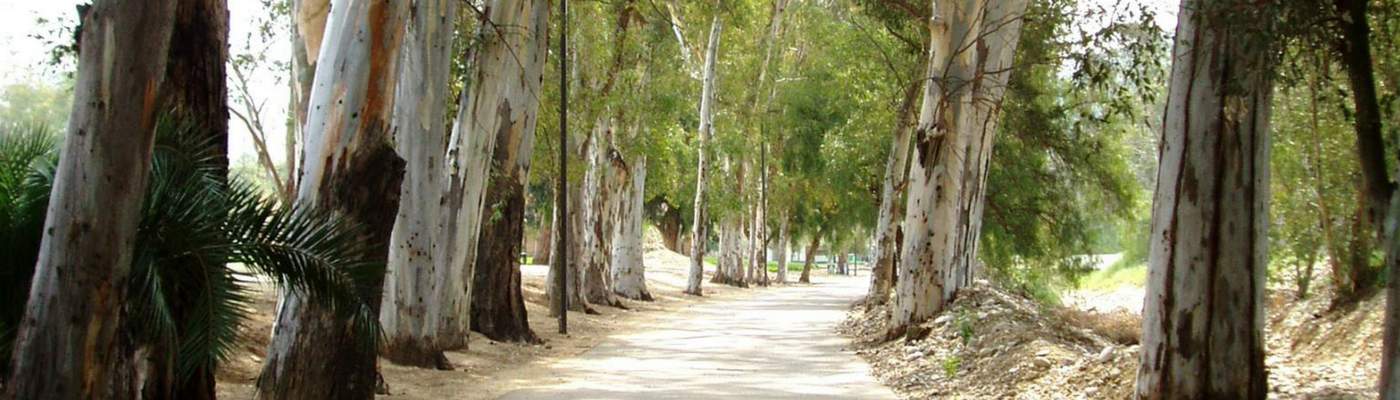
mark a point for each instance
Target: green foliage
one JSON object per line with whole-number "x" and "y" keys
{"x": 965, "y": 328}
{"x": 950, "y": 365}
{"x": 38, "y": 101}
{"x": 200, "y": 245}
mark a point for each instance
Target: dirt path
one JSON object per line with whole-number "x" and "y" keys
{"x": 772, "y": 344}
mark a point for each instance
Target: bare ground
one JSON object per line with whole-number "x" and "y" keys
{"x": 489, "y": 369}
{"x": 993, "y": 344}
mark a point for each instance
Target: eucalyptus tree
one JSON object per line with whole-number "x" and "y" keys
{"x": 419, "y": 312}
{"x": 67, "y": 346}
{"x": 351, "y": 167}
{"x": 971, "y": 56}
{"x": 705, "y": 132}
{"x": 1203, "y": 317}
{"x": 517, "y": 61}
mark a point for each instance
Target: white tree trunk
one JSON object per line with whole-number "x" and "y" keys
{"x": 888, "y": 226}
{"x": 598, "y": 215}
{"x": 68, "y": 344}
{"x": 1203, "y": 315}
{"x": 698, "y": 234}
{"x": 504, "y": 75}
{"x": 349, "y": 166}
{"x": 628, "y": 272}
{"x": 417, "y": 284}
{"x": 930, "y": 219}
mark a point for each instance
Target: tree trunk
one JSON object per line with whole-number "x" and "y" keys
{"x": 572, "y": 258}
{"x": 1203, "y": 317}
{"x": 512, "y": 69}
{"x": 598, "y": 216}
{"x": 195, "y": 84}
{"x": 957, "y": 124}
{"x": 350, "y": 167}
{"x": 887, "y": 231}
{"x": 418, "y": 318}
{"x": 811, "y": 259}
{"x": 1390, "y": 348}
{"x": 670, "y": 227}
{"x": 1355, "y": 46}
{"x": 627, "y": 253}
{"x": 783, "y": 250}
{"x": 541, "y": 251}
{"x": 69, "y": 345}
{"x": 697, "y": 246}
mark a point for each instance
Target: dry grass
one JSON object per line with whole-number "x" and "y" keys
{"x": 1121, "y": 327}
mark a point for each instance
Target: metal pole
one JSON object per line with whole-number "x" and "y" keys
{"x": 561, "y": 191}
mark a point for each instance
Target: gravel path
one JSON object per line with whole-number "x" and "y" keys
{"x": 777, "y": 343}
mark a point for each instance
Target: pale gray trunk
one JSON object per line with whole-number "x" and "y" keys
{"x": 628, "y": 272}
{"x": 698, "y": 234}
{"x": 1203, "y": 315}
{"x": 502, "y": 94}
{"x": 417, "y": 326}
{"x": 571, "y": 256}
{"x": 888, "y": 227}
{"x": 783, "y": 250}
{"x": 935, "y": 176}
{"x": 68, "y": 345}
{"x": 348, "y": 165}
{"x": 598, "y": 215}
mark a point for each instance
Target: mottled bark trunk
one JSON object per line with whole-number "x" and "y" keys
{"x": 69, "y": 344}
{"x": 628, "y": 271}
{"x": 195, "y": 84}
{"x": 572, "y": 258}
{"x": 599, "y": 216}
{"x": 887, "y": 228}
{"x": 698, "y": 235}
{"x": 417, "y": 315}
{"x": 1203, "y": 316}
{"x": 350, "y": 167}
{"x": 935, "y": 177}
{"x": 811, "y": 259}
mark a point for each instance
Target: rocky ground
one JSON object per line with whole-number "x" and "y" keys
{"x": 997, "y": 345}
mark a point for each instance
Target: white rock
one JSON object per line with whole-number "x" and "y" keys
{"x": 1106, "y": 354}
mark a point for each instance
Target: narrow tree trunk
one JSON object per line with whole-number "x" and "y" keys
{"x": 572, "y": 258}
{"x": 887, "y": 231}
{"x": 783, "y": 250}
{"x": 512, "y": 70}
{"x": 350, "y": 167}
{"x": 697, "y": 246}
{"x": 1203, "y": 316}
{"x": 417, "y": 317}
{"x": 670, "y": 227}
{"x": 1355, "y": 46}
{"x": 69, "y": 345}
{"x": 811, "y": 259}
{"x": 540, "y": 253}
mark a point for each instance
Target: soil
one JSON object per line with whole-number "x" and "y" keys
{"x": 994, "y": 344}
{"x": 488, "y": 369}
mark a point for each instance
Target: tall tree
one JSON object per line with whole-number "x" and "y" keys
{"x": 68, "y": 344}
{"x": 1203, "y": 317}
{"x": 972, "y": 48}
{"x": 499, "y": 311}
{"x": 699, "y": 234}
{"x": 349, "y": 166}
{"x": 888, "y": 230}
{"x": 195, "y": 77}
{"x": 420, "y": 311}
{"x": 630, "y": 175}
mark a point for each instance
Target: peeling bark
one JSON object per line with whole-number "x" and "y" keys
{"x": 1203, "y": 315}
{"x": 628, "y": 270}
{"x": 69, "y": 345}
{"x": 351, "y": 167}
{"x": 418, "y": 324}
{"x": 891, "y": 196}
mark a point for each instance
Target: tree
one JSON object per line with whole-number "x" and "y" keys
{"x": 972, "y": 50}
{"x": 1203, "y": 317}
{"x": 68, "y": 344}
{"x": 195, "y": 77}
{"x": 351, "y": 167}
{"x": 499, "y": 313}
{"x": 888, "y": 232}
{"x": 705, "y": 132}
{"x": 420, "y": 310}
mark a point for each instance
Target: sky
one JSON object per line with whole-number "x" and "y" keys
{"x": 24, "y": 57}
